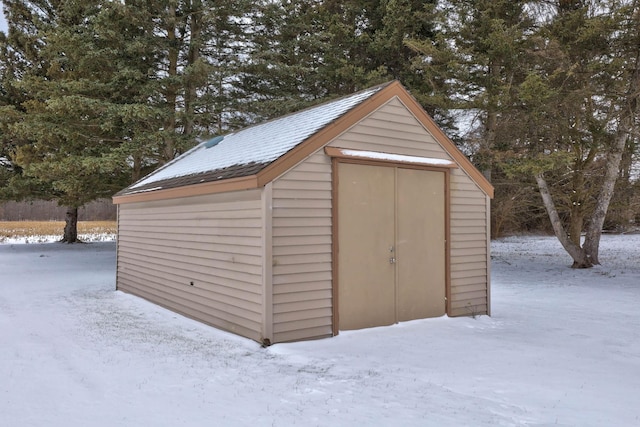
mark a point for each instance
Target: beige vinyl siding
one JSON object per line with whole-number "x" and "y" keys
{"x": 469, "y": 257}
{"x": 393, "y": 129}
{"x": 302, "y": 251}
{"x": 214, "y": 242}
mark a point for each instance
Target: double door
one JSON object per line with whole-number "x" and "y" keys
{"x": 391, "y": 245}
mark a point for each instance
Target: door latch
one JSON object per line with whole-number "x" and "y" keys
{"x": 392, "y": 259}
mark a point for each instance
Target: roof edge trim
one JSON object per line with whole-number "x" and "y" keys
{"x": 200, "y": 189}
{"x": 396, "y": 159}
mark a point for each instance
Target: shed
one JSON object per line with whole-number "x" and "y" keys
{"x": 358, "y": 212}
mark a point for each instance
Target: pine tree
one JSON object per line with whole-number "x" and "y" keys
{"x": 578, "y": 112}
{"x": 81, "y": 102}
{"x": 307, "y": 50}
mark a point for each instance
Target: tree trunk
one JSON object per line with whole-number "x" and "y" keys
{"x": 191, "y": 92}
{"x": 626, "y": 128}
{"x": 71, "y": 226}
{"x": 492, "y": 122}
{"x": 594, "y": 230}
{"x": 576, "y": 219}
{"x": 580, "y": 258}
{"x": 171, "y": 90}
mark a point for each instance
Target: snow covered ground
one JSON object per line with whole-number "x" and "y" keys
{"x": 561, "y": 349}
{"x": 84, "y": 237}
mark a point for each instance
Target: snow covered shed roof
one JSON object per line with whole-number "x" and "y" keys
{"x": 253, "y": 156}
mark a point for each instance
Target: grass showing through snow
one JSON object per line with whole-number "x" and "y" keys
{"x": 48, "y": 231}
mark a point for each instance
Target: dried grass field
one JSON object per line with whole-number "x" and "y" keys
{"x": 45, "y": 231}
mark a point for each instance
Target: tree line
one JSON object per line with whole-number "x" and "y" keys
{"x": 542, "y": 95}
{"x": 42, "y": 210}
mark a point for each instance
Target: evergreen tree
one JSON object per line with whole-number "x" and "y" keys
{"x": 78, "y": 107}
{"x": 578, "y": 112}
{"x": 306, "y": 50}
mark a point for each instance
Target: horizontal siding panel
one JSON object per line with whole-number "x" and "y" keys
{"x": 302, "y": 306}
{"x": 312, "y": 164}
{"x": 302, "y": 222}
{"x": 478, "y": 273}
{"x": 285, "y": 288}
{"x": 207, "y": 297}
{"x": 206, "y": 291}
{"x": 297, "y": 212}
{"x": 174, "y": 215}
{"x": 301, "y": 278}
{"x": 287, "y": 189}
{"x": 199, "y": 238}
{"x": 388, "y": 129}
{"x": 290, "y": 297}
{"x": 465, "y": 203}
{"x": 468, "y": 311}
{"x": 302, "y": 315}
{"x": 301, "y": 231}
{"x": 214, "y": 283}
{"x": 284, "y": 205}
{"x": 391, "y": 117}
{"x": 216, "y": 249}
{"x": 467, "y": 208}
{"x": 215, "y": 278}
{"x": 476, "y": 197}
{"x": 300, "y": 179}
{"x": 463, "y": 214}
{"x": 471, "y": 303}
{"x": 305, "y": 258}
{"x": 302, "y": 194}
{"x": 183, "y": 206}
{"x": 469, "y": 233}
{"x": 301, "y": 240}
{"x": 480, "y": 223}
{"x": 283, "y": 270}
{"x": 281, "y": 251}
{"x": 470, "y": 280}
{"x": 469, "y": 259}
{"x": 324, "y": 321}
{"x": 398, "y": 114}
{"x": 463, "y": 184}
{"x": 460, "y": 237}
{"x": 205, "y": 252}
{"x": 206, "y": 223}
{"x": 470, "y": 252}
{"x": 482, "y": 265}
{"x": 201, "y": 231}
{"x": 472, "y": 287}
{"x": 471, "y": 295}
{"x": 459, "y": 244}
{"x": 228, "y": 322}
{"x": 199, "y": 264}
{"x": 323, "y": 331}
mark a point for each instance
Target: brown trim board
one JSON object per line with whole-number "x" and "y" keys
{"x": 231, "y": 184}
{"x": 334, "y": 247}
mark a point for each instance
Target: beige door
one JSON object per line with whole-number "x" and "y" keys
{"x": 420, "y": 244}
{"x": 391, "y": 247}
{"x": 366, "y": 218}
